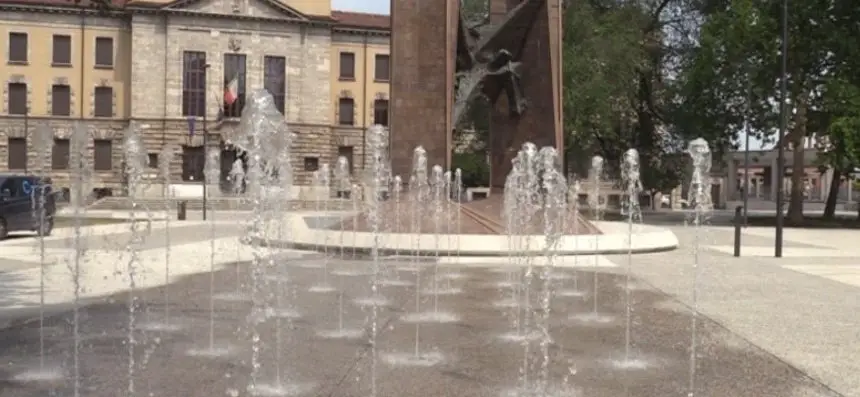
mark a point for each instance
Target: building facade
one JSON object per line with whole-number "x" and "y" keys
{"x": 165, "y": 66}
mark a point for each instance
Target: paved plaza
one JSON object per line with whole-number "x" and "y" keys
{"x": 768, "y": 327}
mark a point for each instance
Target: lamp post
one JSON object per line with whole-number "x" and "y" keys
{"x": 780, "y": 156}
{"x": 26, "y": 138}
{"x": 746, "y": 184}
{"x": 205, "y": 138}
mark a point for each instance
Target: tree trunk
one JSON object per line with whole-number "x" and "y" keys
{"x": 798, "y": 132}
{"x": 832, "y": 195}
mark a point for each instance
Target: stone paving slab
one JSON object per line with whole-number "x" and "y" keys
{"x": 476, "y": 361}
{"x": 842, "y": 273}
{"x": 799, "y": 317}
{"x": 154, "y": 235}
{"x": 791, "y": 252}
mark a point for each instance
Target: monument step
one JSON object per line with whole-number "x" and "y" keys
{"x": 215, "y": 203}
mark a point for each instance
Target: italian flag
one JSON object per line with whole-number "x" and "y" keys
{"x": 231, "y": 91}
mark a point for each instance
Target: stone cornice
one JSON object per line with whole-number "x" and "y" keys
{"x": 67, "y": 10}
{"x": 359, "y": 30}
{"x": 127, "y": 12}
{"x": 239, "y": 17}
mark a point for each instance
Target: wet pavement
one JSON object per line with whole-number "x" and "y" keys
{"x": 584, "y": 358}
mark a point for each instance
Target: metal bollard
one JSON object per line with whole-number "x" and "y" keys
{"x": 181, "y": 210}
{"x": 739, "y": 221}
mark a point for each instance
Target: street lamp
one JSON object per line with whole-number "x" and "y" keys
{"x": 205, "y": 137}
{"x": 26, "y": 137}
{"x": 780, "y": 156}
{"x": 746, "y": 185}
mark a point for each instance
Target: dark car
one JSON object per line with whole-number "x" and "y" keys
{"x": 27, "y": 204}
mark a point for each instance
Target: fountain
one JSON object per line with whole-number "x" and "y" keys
{"x": 238, "y": 180}
{"x": 265, "y": 132}
{"x": 700, "y": 199}
{"x": 438, "y": 199}
{"x": 573, "y": 199}
{"x": 165, "y": 159}
{"x": 135, "y": 163}
{"x": 342, "y": 177}
{"x": 596, "y": 202}
{"x": 82, "y": 172}
{"x": 437, "y": 186}
{"x": 322, "y": 183}
{"x": 390, "y": 276}
{"x": 458, "y": 196}
{"x": 555, "y": 209}
{"x": 418, "y": 186}
{"x": 212, "y": 172}
{"x": 342, "y": 185}
{"x": 376, "y": 183}
{"x": 632, "y": 185}
{"x": 536, "y": 212}
{"x": 522, "y": 201}
{"x": 44, "y": 141}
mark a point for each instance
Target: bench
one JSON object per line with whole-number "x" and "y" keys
{"x": 477, "y": 192}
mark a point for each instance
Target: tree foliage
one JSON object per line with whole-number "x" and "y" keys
{"x": 733, "y": 75}
{"x": 619, "y": 61}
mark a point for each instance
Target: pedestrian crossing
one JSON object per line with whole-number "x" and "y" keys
{"x": 846, "y": 274}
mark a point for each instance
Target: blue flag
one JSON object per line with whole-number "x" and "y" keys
{"x": 191, "y": 121}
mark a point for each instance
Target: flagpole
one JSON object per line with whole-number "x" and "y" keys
{"x": 205, "y": 140}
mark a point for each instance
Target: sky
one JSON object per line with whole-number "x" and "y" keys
{"x": 374, "y": 6}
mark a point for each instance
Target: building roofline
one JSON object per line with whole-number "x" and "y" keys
{"x": 340, "y": 21}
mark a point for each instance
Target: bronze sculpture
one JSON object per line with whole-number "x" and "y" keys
{"x": 512, "y": 58}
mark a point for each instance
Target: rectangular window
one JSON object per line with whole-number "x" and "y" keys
{"x": 192, "y": 163}
{"x": 347, "y": 66}
{"x": 274, "y": 79}
{"x": 193, "y": 83}
{"x": 102, "y": 155}
{"x": 17, "y": 148}
{"x": 103, "y": 104}
{"x": 16, "y": 95}
{"x": 381, "y": 67}
{"x": 62, "y": 50}
{"x": 346, "y": 111}
{"x": 18, "y": 47}
{"x": 234, "y": 84}
{"x": 152, "y": 160}
{"x": 311, "y": 163}
{"x": 61, "y": 100}
{"x": 348, "y": 153}
{"x": 60, "y": 154}
{"x": 380, "y": 112}
{"x": 104, "y": 52}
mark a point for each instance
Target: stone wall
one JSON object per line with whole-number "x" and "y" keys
{"x": 99, "y": 129}
{"x": 311, "y": 141}
{"x": 157, "y": 44}
{"x": 157, "y": 91}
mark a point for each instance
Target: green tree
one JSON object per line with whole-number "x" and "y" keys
{"x": 734, "y": 74}
{"x": 616, "y": 59}
{"x": 841, "y": 102}
{"x": 842, "y": 149}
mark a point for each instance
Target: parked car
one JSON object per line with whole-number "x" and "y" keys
{"x": 27, "y": 204}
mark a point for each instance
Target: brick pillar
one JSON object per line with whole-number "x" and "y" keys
{"x": 423, "y": 38}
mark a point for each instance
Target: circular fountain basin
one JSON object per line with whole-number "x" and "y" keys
{"x": 614, "y": 239}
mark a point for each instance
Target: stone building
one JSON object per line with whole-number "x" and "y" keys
{"x": 164, "y": 65}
